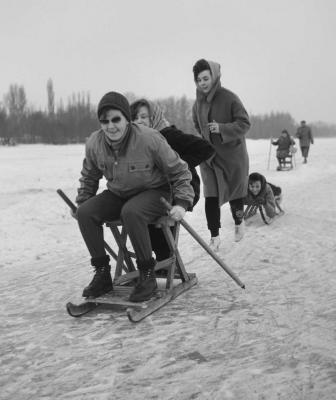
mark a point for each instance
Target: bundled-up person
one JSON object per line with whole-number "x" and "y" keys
{"x": 192, "y": 149}
{"x": 284, "y": 143}
{"x": 262, "y": 193}
{"x": 140, "y": 167}
{"x": 305, "y": 136}
{"x": 221, "y": 119}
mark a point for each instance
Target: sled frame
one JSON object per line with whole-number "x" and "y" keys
{"x": 252, "y": 209}
{"x": 287, "y": 163}
{"x": 173, "y": 281}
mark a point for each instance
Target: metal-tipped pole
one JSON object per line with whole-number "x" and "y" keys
{"x": 74, "y": 209}
{"x": 269, "y": 154}
{"x": 207, "y": 248}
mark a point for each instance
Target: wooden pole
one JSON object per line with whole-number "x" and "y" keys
{"x": 269, "y": 154}
{"x": 74, "y": 209}
{"x": 198, "y": 239}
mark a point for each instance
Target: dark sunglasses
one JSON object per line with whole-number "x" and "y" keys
{"x": 114, "y": 120}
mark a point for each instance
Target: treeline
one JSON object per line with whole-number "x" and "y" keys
{"x": 73, "y": 122}
{"x": 271, "y": 125}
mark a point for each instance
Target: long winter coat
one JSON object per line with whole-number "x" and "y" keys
{"x": 305, "y": 136}
{"x": 226, "y": 174}
{"x": 144, "y": 161}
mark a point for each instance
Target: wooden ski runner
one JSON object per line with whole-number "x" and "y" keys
{"x": 135, "y": 311}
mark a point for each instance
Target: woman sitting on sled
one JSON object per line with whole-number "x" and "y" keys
{"x": 264, "y": 194}
{"x": 140, "y": 168}
{"x": 284, "y": 143}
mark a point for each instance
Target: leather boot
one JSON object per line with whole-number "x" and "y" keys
{"x": 147, "y": 285}
{"x": 102, "y": 281}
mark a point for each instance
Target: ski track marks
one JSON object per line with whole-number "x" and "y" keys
{"x": 274, "y": 340}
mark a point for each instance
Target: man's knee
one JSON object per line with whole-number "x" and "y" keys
{"x": 82, "y": 212}
{"x": 130, "y": 213}
{"x": 86, "y": 212}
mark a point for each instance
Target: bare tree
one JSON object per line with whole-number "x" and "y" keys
{"x": 51, "y": 97}
{"x": 16, "y": 100}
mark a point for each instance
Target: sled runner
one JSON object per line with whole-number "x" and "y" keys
{"x": 252, "y": 209}
{"x": 171, "y": 274}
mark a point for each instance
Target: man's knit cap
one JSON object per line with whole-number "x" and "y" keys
{"x": 116, "y": 101}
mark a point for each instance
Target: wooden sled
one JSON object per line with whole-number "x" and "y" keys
{"x": 172, "y": 277}
{"x": 176, "y": 279}
{"x": 252, "y": 209}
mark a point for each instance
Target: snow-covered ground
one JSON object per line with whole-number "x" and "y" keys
{"x": 275, "y": 340}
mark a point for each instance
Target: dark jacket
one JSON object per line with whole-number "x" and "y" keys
{"x": 284, "y": 143}
{"x": 144, "y": 161}
{"x": 304, "y": 134}
{"x": 192, "y": 149}
{"x": 226, "y": 174}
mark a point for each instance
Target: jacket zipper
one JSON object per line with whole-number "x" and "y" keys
{"x": 115, "y": 163}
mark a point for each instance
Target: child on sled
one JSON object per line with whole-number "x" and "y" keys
{"x": 262, "y": 193}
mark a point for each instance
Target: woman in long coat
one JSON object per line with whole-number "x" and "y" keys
{"x": 220, "y": 117}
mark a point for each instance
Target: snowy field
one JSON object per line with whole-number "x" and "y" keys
{"x": 275, "y": 340}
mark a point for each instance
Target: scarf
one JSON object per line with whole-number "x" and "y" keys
{"x": 157, "y": 118}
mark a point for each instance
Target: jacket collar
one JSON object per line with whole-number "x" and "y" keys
{"x": 124, "y": 141}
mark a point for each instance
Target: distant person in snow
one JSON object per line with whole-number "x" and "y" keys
{"x": 140, "y": 168}
{"x": 192, "y": 149}
{"x": 220, "y": 118}
{"x": 262, "y": 193}
{"x": 284, "y": 143}
{"x": 305, "y": 136}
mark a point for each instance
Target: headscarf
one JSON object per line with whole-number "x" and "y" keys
{"x": 216, "y": 75}
{"x": 158, "y": 120}
{"x": 255, "y": 176}
{"x": 156, "y": 116}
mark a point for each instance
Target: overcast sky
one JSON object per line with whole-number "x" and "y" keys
{"x": 277, "y": 55}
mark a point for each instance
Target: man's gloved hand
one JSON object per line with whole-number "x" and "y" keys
{"x": 177, "y": 213}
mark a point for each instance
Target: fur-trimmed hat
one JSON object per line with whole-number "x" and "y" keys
{"x": 116, "y": 101}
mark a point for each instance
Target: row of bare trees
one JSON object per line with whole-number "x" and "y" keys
{"x": 73, "y": 122}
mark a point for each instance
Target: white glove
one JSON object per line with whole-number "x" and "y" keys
{"x": 177, "y": 213}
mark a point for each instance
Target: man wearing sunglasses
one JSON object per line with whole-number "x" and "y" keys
{"x": 140, "y": 167}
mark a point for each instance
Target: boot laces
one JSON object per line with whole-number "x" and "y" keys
{"x": 145, "y": 274}
{"x": 98, "y": 272}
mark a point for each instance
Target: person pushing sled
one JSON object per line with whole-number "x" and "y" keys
{"x": 143, "y": 176}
